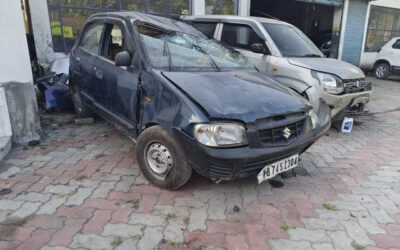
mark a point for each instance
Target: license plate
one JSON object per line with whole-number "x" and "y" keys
{"x": 278, "y": 167}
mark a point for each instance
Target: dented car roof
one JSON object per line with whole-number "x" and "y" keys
{"x": 158, "y": 21}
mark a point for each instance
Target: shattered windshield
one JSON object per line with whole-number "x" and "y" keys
{"x": 176, "y": 51}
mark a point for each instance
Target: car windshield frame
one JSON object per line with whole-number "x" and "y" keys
{"x": 165, "y": 51}
{"x": 308, "y": 48}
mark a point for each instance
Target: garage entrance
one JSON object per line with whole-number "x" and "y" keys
{"x": 319, "y": 20}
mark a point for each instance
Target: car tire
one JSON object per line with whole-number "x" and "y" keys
{"x": 382, "y": 71}
{"x": 161, "y": 159}
{"x": 81, "y": 109}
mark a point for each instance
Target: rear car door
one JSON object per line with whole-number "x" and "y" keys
{"x": 119, "y": 83}
{"x": 84, "y": 58}
{"x": 395, "y": 58}
{"x": 241, "y": 37}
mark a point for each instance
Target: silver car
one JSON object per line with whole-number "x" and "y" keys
{"x": 286, "y": 54}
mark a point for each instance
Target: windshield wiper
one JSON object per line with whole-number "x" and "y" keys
{"x": 311, "y": 55}
{"x": 215, "y": 66}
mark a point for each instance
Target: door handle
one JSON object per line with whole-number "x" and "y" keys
{"x": 77, "y": 59}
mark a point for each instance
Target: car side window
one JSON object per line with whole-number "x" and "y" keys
{"x": 207, "y": 29}
{"x": 92, "y": 37}
{"x": 114, "y": 41}
{"x": 396, "y": 45}
{"x": 240, "y": 36}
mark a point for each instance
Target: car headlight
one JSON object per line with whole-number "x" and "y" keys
{"x": 220, "y": 134}
{"x": 331, "y": 83}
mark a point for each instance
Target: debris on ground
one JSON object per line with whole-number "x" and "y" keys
{"x": 84, "y": 121}
{"x": 34, "y": 143}
{"x": 53, "y": 88}
{"x": 56, "y": 120}
{"x": 276, "y": 183}
{"x": 5, "y": 191}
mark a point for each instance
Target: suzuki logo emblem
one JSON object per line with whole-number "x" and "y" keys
{"x": 287, "y": 133}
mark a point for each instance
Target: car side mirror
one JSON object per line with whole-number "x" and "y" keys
{"x": 259, "y": 48}
{"x": 123, "y": 58}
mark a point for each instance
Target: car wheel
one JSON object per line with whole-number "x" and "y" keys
{"x": 161, "y": 159}
{"x": 382, "y": 71}
{"x": 81, "y": 109}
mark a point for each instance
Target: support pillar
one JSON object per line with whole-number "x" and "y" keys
{"x": 16, "y": 81}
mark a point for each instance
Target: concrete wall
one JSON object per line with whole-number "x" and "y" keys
{"x": 244, "y": 7}
{"x": 42, "y": 31}
{"x": 5, "y": 125}
{"x": 16, "y": 76}
{"x": 368, "y": 58}
{"x": 198, "y": 7}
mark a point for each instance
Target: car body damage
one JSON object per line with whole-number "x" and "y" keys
{"x": 189, "y": 102}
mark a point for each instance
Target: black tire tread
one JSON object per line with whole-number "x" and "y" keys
{"x": 181, "y": 172}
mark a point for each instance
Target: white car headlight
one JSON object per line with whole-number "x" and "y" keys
{"x": 220, "y": 134}
{"x": 331, "y": 84}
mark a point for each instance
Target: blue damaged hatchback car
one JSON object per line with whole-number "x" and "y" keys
{"x": 190, "y": 103}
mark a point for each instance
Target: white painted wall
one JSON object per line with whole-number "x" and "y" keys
{"x": 198, "y": 7}
{"x": 343, "y": 28}
{"x": 42, "y": 31}
{"x": 368, "y": 58}
{"x": 5, "y": 125}
{"x": 14, "y": 59}
{"x": 244, "y": 7}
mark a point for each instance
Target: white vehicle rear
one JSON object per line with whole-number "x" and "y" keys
{"x": 387, "y": 62}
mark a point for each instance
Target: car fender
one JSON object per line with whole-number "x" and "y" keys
{"x": 162, "y": 103}
{"x": 381, "y": 60}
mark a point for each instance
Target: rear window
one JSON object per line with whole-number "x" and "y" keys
{"x": 207, "y": 29}
{"x": 396, "y": 45}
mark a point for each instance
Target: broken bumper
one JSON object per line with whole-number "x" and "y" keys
{"x": 241, "y": 162}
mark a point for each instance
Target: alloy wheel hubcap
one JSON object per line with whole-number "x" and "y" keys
{"x": 159, "y": 158}
{"x": 380, "y": 71}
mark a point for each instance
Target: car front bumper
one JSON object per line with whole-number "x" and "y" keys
{"x": 241, "y": 162}
{"x": 338, "y": 103}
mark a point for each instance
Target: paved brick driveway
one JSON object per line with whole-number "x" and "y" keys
{"x": 82, "y": 190}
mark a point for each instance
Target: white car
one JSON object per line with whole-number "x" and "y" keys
{"x": 288, "y": 56}
{"x": 387, "y": 61}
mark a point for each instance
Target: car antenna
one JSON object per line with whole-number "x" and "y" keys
{"x": 267, "y": 15}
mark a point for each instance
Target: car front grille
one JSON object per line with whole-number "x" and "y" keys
{"x": 354, "y": 85}
{"x": 275, "y": 136}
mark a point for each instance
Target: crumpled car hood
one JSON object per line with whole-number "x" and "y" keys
{"x": 339, "y": 68}
{"x": 244, "y": 96}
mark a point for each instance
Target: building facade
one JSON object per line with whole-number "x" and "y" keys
{"x": 381, "y": 25}
{"x": 339, "y": 25}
